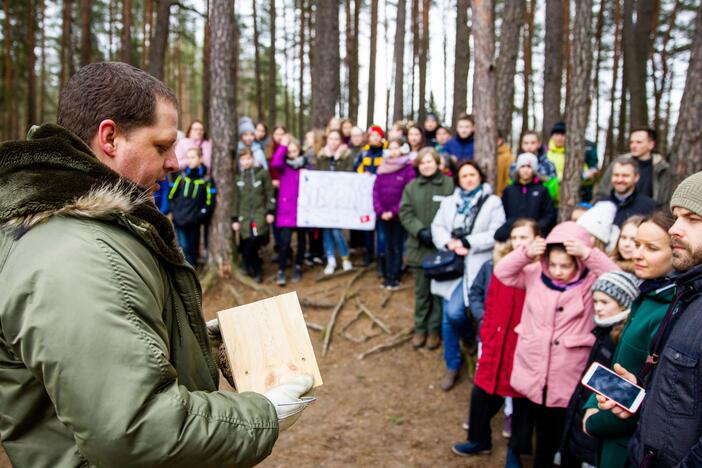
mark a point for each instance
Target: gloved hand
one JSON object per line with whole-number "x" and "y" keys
{"x": 218, "y": 350}
{"x": 284, "y": 397}
{"x": 424, "y": 237}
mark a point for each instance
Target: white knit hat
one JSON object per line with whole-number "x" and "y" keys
{"x": 528, "y": 159}
{"x": 599, "y": 222}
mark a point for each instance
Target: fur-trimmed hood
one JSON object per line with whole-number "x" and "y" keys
{"x": 54, "y": 173}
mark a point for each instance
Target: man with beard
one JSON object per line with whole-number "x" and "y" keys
{"x": 670, "y": 426}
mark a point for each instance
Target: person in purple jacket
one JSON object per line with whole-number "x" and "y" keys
{"x": 395, "y": 172}
{"x": 288, "y": 160}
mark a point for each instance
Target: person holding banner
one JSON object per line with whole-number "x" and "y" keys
{"x": 335, "y": 156}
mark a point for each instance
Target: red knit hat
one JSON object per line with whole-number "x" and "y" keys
{"x": 377, "y": 129}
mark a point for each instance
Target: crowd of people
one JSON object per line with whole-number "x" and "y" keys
{"x": 536, "y": 301}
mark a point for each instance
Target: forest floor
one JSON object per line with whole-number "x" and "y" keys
{"x": 385, "y": 410}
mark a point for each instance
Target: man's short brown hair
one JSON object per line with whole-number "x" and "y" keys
{"x": 110, "y": 90}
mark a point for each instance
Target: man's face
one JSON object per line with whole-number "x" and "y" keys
{"x": 624, "y": 178}
{"x": 464, "y": 128}
{"x": 146, "y": 155}
{"x": 640, "y": 144}
{"x": 686, "y": 239}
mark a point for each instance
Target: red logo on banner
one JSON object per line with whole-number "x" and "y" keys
{"x": 365, "y": 219}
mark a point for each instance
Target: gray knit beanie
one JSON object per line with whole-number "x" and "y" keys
{"x": 688, "y": 195}
{"x": 620, "y": 286}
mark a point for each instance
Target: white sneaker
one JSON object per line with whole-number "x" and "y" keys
{"x": 347, "y": 265}
{"x": 329, "y": 269}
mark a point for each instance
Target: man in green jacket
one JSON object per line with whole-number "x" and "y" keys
{"x": 104, "y": 355}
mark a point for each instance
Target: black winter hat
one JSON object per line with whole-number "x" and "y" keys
{"x": 559, "y": 127}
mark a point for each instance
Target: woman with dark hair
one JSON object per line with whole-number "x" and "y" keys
{"x": 416, "y": 140}
{"x": 652, "y": 258}
{"x": 465, "y": 224}
{"x": 261, "y": 134}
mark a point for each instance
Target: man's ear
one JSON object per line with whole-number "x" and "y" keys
{"x": 104, "y": 142}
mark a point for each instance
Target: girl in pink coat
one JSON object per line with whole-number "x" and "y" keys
{"x": 555, "y": 331}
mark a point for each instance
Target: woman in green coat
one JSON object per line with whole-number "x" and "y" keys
{"x": 652, "y": 262}
{"x": 420, "y": 202}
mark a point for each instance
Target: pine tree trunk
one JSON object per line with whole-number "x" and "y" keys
{"x": 126, "y": 37}
{"x": 67, "y": 67}
{"x": 398, "y": 96}
{"x": 146, "y": 33}
{"x": 159, "y": 43}
{"x": 7, "y": 74}
{"x": 286, "y": 47}
{"x": 638, "y": 41}
{"x": 272, "y": 70}
{"x": 609, "y": 142}
{"x": 325, "y": 66}
{"x": 206, "y": 54}
{"x": 461, "y": 60}
{"x": 31, "y": 112}
{"x": 660, "y": 89}
{"x": 371, "y": 66}
{"x": 598, "y": 62}
{"x": 423, "y": 51}
{"x": 86, "y": 46}
{"x": 260, "y": 115}
{"x": 354, "y": 98}
{"x": 301, "y": 83}
{"x": 222, "y": 130}
{"x": 415, "y": 53}
{"x": 234, "y": 73}
{"x": 553, "y": 65}
{"x": 687, "y": 142}
{"x": 513, "y": 18}
{"x": 526, "y": 53}
{"x": 578, "y": 106}
{"x": 42, "y": 66}
{"x": 484, "y": 89}
{"x": 566, "y": 46}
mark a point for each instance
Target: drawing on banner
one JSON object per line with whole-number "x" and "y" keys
{"x": 341, "y": 200}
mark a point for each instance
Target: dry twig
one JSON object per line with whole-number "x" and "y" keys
{"x": 373, "y": 317}
{"x": 396, "y": 340}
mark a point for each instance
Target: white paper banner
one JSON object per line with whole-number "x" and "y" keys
{"x": 341, "y": 200}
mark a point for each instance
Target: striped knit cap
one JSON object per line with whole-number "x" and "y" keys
{"x": 688, "y": 195}
{"x": 620, "y": 286}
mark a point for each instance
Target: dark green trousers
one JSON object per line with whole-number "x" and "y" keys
{"x": 427, "y": 307}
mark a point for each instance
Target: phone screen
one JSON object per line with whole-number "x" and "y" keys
{"x": 613, "y": 387}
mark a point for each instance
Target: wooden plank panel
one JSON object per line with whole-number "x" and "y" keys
{"x": 266, "y": 342}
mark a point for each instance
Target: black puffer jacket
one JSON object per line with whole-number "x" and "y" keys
{"x": 670, "y": 427}
{"x": 576, "y": 444}
{"x": 530, "y": 201}
{"x": 192, "y": 197}
{"x": 634, "y": 204}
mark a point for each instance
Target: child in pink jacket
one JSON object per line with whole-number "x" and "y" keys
{"x": 555, "y": 331}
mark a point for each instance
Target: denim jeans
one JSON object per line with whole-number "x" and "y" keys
{"x": 455, "y": 325}
{"x": 334, "y": 237}
{"x": 189, "y": 241}
{"x": 285, "y": 243}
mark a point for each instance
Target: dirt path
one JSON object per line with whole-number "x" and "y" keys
{"x": 386, "y": 410}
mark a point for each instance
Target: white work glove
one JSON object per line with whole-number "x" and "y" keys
{"x": 284, "y": 397}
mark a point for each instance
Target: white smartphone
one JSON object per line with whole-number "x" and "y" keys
{"x": 609, "y": 384}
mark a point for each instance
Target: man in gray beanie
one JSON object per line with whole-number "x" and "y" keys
{"x": 670, "y": 425}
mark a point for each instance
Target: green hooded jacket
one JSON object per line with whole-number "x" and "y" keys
{"x": 420, "y": 202}
{"x": 104, "y": 354}
{"x": 253, "y": 199}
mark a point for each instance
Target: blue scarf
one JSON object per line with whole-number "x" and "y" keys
{"x": 467, "y": 198}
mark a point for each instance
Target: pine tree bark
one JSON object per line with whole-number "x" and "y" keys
{"x": 159, "y": 43}
{"x": 86, "y": 43}
{"x": 31, "y": 112}
{"x": 301, "y": 82}
{"x": 126, "y": 36}
{"x": 553, "y": 65}
{"x": 146, "y": 33}
{"x": 206, "y": 55}
{"x": 687, "y": 142}
{"x": 325, "y": 66}
{"x": 423, "y": 51}
{"x": 399, "y": 93}
{"x": 7, "y": 74}
{"x": 67, "y": 67}
{"x": 528, "y": 69}
{"x": 272, "y": 70}
{"x": 260, "y": 115}
{"x": 512, "y": 21}
{"x": 371, "y": 66}
{"x": 414, "y": 17}
{"x": 234, "y": 74}
{"x": 42, "y": 65}
{"x": 222, "y": 130}
{"x": 461, "y": 61}
{"x": 484, "y": 88}
{"x": 662, "y": 85}
{"x": 609, "y": 142}
{"x": 354, "y": 98}
{"x": 598, "y": 62}
{"x": 638, "y": 42}
{"x": 578, "y": 106}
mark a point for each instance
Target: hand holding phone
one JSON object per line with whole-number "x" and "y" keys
{"x": 615, "y": 391}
